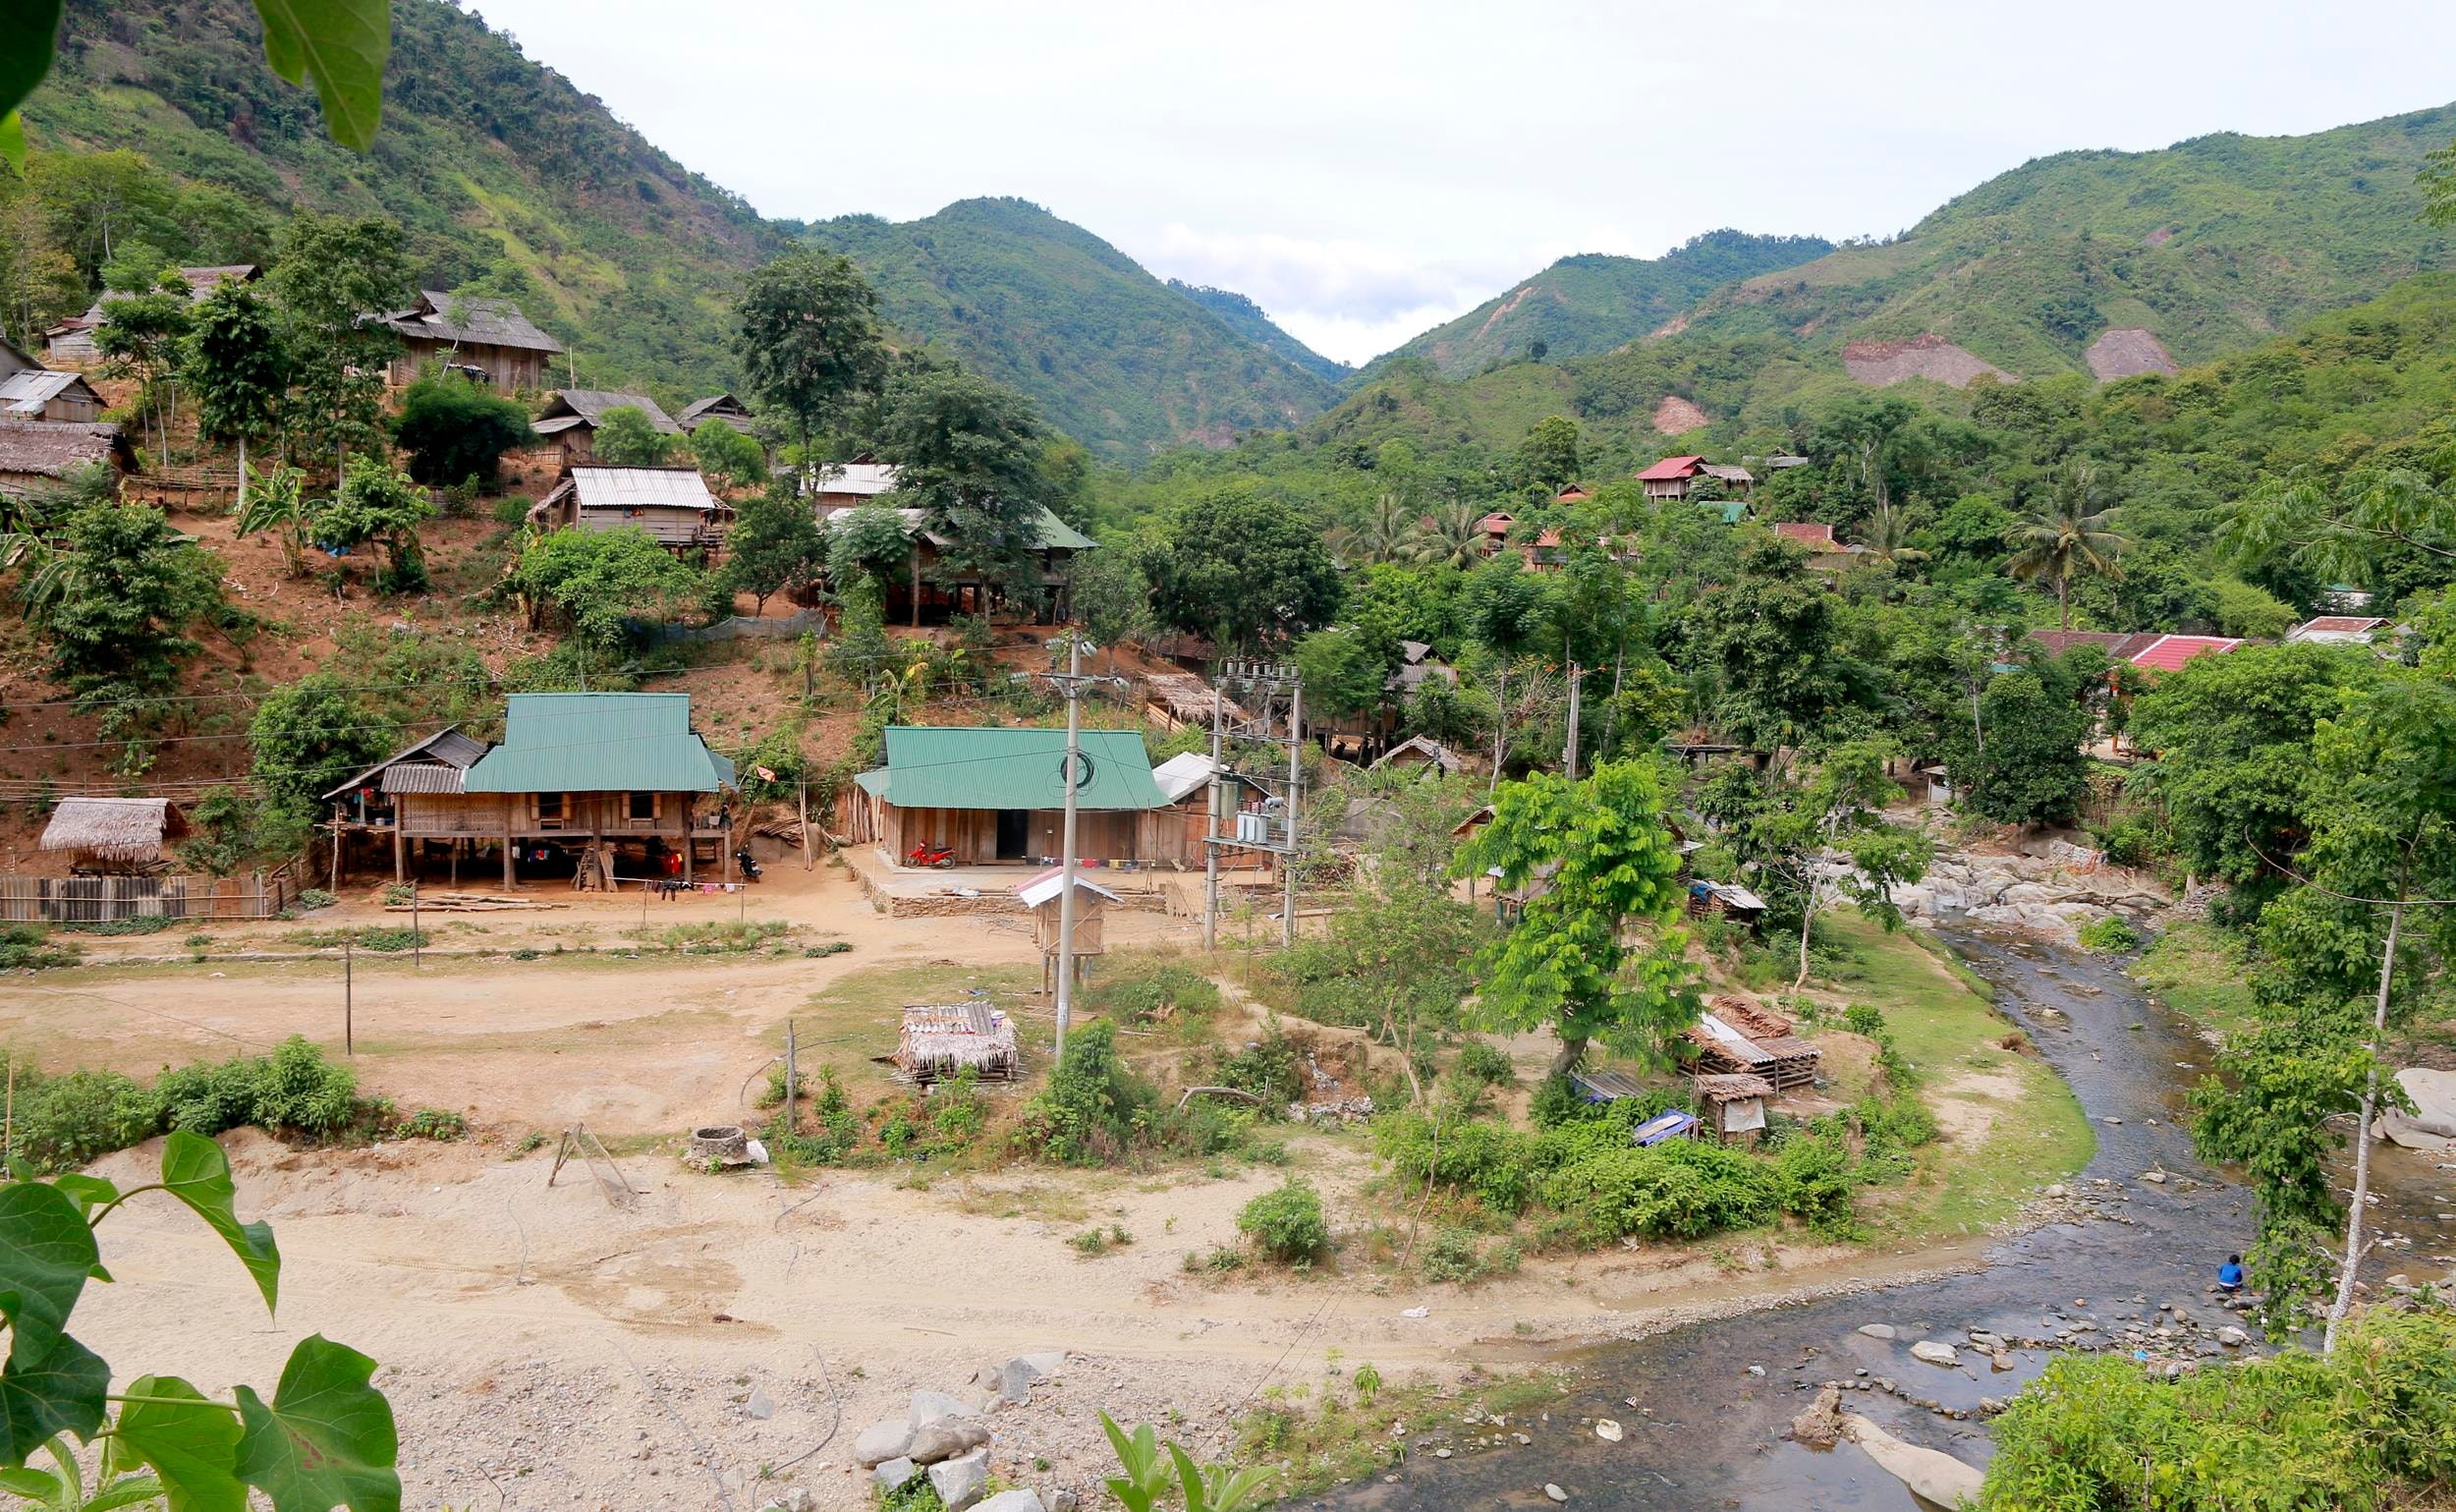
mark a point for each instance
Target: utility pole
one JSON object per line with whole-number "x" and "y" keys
{"x": 1211, "y": 832}
{"x": 1570, "y": 757}
{"x": 1296, "y": 790}
{"x": 1072, "y": 683}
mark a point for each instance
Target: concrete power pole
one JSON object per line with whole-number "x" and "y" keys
{"x": 1570, "y": 757}
{"x": 1296, "y": 791}
{"x": 1066, "y": 895}
{"x": 1211, "y": 832}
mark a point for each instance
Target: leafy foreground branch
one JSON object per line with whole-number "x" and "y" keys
{"x": 2367, "y": 1425}
{"x": 325, "y": 1439}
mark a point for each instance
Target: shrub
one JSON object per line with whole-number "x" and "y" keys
{"x": 312, "y": 898}
{"x": 1861, "y": 1019}
{"x": 1161, "y": 991}
{"x": 65, "y": 1121}
{"x": 431, "y": 1123}
{"x": 1090, "y": 1109}
{"x": 302, "y": 1090}
{"x": 1287, "y": 1224}
{"x": 454, "y": 428}
{"x": 1681, "y": 1190}
{"x": 1272, "y": 1069}
{"x": 26, "y": 947}
{"x": 2112, "y": 934}
{"x": 1450, "y": 1256}
{"x": 135, "y": 924}
{"x": 1487, "y": 1065}
{"x": 1816, "y": 1182}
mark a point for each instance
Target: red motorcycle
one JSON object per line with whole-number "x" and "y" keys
{"x": 938, "y": 858}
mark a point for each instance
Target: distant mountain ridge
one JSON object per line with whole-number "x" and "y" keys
{"x": 1249, "y": 321}
{"x": 1594, "y": 301}
{"x": 1120, "y": 360}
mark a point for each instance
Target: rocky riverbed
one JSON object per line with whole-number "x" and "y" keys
{"x": 1703, "y": 1413}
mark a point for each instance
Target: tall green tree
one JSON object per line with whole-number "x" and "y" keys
{"x": 1111, "y": 596}
{"x": 774, "y": 544}
{"x": 1549, "y": 456}
{"x": 144, "y": 336}
{"x": 1243, "y": 568}
{"x": 602, "y": 582}
{"x": 308, "y": 736}
{"x": 377, "y": 506}
{"x": 967, "y": 453}
{"x": 237, "y": 368}
{"x": 1599, "y": 869}
{"x": 1503, "y": 610}
{"x": 333, "y": 271}
{"x": 2030, "y": 768}
{"x": 2068, "y": 536}
{"x": 729, "y": 459}
{"x": 456, "y": 429}
{"x": 808, "y": 340}
{"x": 1772, "y": 639}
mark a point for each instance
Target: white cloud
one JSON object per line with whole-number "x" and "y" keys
{"x": 1350, "y": 299}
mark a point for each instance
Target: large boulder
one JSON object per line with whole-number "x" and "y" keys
{"x": 1929, "y": 1474}
{"x": 1012, "y": 1502}
{"x": 1934, "y": 1352}
{"x": 1821, "y": 1425}
{"x": 946, "y": 1438}
{"x": 2432, "y": 1125}
{"x": 889, "y": 1475}
{"x": 931, "y": 1406}
{"x": 880, "y": 1443}
{"x": 962, "y": 1481}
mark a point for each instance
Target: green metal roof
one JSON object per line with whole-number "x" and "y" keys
{"x": 599, "y": 742}
{"x": 1052, "y": 534}
{"x": 940, "y": 766}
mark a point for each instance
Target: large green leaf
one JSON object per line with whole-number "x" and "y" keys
{"x": 45, "y": 1253}
{"x": 29, "y": 31}
{"x": 197, "y": 1174}
{"x": 32, "y": 1484}
{"x": 327, "y": 1439}
{"x": 62, "y": 1393}
{"x": 12, "y": 141}
{"x": 343, "y": 44}
{"x": 192, "y": 1444}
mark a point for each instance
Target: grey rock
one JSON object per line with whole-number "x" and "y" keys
{"x": 1013, "y": 1501}
{"x": 890, "y": 1475}
{"x": 880, "y": 1443}
{"x": 2233, "y": 1337}
{"x": 946, "y": 1439}
{"x": 1878, "y": 1331}
{"x": 962, "y": 1481}
{"x": 758, "y": 1406}
{"x": 931, "y": 1406}
{"x": 1046, "y": 1363}
{"x": 1935, "y": 1354}
{"x": 1553, "y": 1491}
{"x": 1064, "y": 1501}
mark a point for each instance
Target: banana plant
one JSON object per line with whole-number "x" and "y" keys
{"x": 278, "y": 503}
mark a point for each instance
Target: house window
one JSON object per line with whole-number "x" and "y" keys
{"x": 549, "y": 811}
{"x": 643, "y": 808}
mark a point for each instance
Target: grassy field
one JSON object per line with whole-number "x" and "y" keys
{"x": 2024, "y": 1128}
{"x": 2198, "y": 972}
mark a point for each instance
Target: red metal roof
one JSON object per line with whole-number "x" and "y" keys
{"x": 2169, "y": 652}
{"x": 1496, "y": 524}
{"x": 2119, "y": 644}
{"x": 1672, "y": 469}
{"x": 1808, "y": 533}
{"x": 2339, "y": 625}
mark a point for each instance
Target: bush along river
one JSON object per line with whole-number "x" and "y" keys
{"x": 1702, "y": 1411}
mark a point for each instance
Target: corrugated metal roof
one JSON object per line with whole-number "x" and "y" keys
{"x": 1048, "y": 884}
{"x": 592, "y": 405}
{"x": 1671, "y": 470}
{"x": 447, "y": 744}
{"x": 940, "y": 766}
{"x": 2169, "y": 652}
{"x": 1808, "y": 533}
{"x": 52, "y": 448}
{"x": 480, "y": 321}
{"x": 861, "y": 478}
{"x": 599, "y": 742}
{"x": 423, "y": 777}
{"x": 642, "y": 489}
{"x": 25, "y": 393}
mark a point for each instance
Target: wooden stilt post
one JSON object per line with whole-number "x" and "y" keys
{"x": 508, "y": 883}
{"x": 400, "y": 851}
{"x": 336, "y": 849}
{"x": 789, "y": 1123}
{"x": 808, "y": 860}
{"x": 349, "y": 1030}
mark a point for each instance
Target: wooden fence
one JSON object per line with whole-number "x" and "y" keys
{"x": 107, "y": 899}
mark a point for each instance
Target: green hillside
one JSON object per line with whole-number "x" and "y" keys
{"x": 503, "y": 173}
{"x": 1118, "y": 359}
{"x": 1249, "y": 321}
{"x": 1592, "y": 302}
{"x": 2210, "y": 246}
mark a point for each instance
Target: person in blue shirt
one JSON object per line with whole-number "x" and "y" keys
{"x": 2230, "y": 1274}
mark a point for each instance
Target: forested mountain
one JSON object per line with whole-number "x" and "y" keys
{"x": 1252, "y": 322}
{"x": 504, "y": 175}
{"x": 2207, "y": 247}
{"x": 1594, "y": 303}
{"x": 1120, "y": 360}
{"x": 162, "y": 129}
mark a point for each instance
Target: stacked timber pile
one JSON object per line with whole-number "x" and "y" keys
{"x": 469, "y": 902}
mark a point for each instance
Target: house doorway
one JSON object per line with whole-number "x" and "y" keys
{"x": 1014, "y": 833}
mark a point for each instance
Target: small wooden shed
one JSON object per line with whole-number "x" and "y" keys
{"x": 942, "y": 1039}
{"x": 672, "y": 504}
{"x": 1733, "y": 1104}
{"x": 1043, "y": 895}
{"x": 122, "y": 835}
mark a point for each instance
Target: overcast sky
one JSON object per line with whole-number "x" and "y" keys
{"x": 1364, "y": 172}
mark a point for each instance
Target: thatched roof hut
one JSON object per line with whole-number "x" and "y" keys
{"x": 940, "y": 1039}
{"x": 114, "y": 835}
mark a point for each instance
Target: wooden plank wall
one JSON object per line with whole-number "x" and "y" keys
{"x": 105, "y": 899}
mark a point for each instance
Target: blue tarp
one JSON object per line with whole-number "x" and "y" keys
{"x": 1663, "y": 1126}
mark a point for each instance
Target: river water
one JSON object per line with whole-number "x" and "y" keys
{"x": 1707, "y": 1432}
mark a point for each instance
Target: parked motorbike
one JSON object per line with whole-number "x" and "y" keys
{"x": 749, "y": 868}
{"x": 938, "y": 858}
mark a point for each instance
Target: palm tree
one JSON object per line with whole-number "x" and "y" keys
{"x": 1452, "y": 535}
{"x": 1386, "y": 531}
{"x": 2067, "y": 536}
{"x": 1887, "y": 537}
